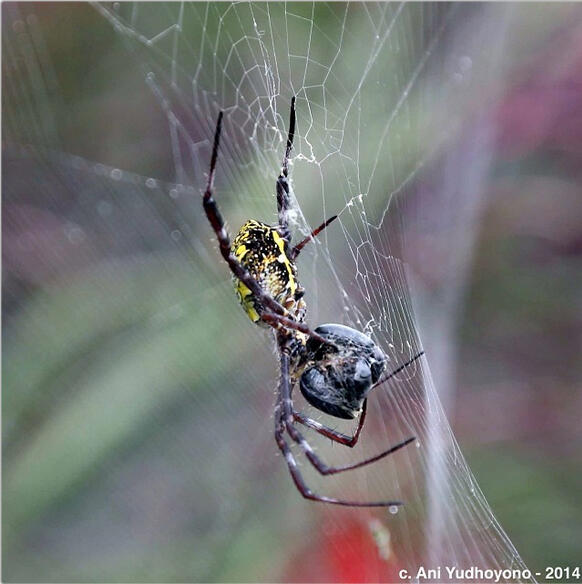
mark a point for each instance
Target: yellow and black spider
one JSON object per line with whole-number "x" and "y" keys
{"x": 336, "y": 366}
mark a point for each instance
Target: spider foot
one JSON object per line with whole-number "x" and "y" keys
{"x": 323, "y": 499}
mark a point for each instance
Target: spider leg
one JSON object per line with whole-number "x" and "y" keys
{"x": 290, "y": 137}
{"x": 307, "y": 493}
{"x": 283, "y": 406}
{"x": 297, "y": 249}
{"x": 324, "y": 468}
{"x": 396, "y": 371}
{"x": 217, "y": 222}
{"x": 278, "y": 322}
{"x": 330, "y": 433}
{"x": 283, "y": 197}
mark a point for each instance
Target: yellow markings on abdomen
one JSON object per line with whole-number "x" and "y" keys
{"x": 282, "y": 258}
{"x": 247, "y": 300}
{"x": 261, "y": 250}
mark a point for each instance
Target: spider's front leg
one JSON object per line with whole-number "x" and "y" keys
{"x": 217, "y": 222}
{"x": 283, "y": 194}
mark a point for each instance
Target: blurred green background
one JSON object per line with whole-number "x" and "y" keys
{"x": 136, "y": 398}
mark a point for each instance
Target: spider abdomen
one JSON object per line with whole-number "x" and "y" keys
{"x": 337, "y": 378}
{"x": 261, "y": 250}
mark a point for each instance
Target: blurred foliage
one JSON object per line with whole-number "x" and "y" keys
{"x": 538, "y": 498}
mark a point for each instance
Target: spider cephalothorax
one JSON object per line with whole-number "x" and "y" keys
{"x": 335, "y": 366}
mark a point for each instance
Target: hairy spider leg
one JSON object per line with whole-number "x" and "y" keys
{"x": 324, "y": 468}
{"x": 277, "y": 321}
{"x": 283, "y": 196}
{"x": 278, "y": 316}
{"x": 330, "y": 433}
{"x": 215, "y": 218}
{"x": 297, "y": 249}
{"x": 290, "y": 137}
{"x": 284, "y": 410}
{"x": 339, "y": 437}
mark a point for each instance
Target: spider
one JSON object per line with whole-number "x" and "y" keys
{"x": 336, "y": 366}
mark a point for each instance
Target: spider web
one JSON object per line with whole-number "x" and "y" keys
{"x": 381, "y": 90}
